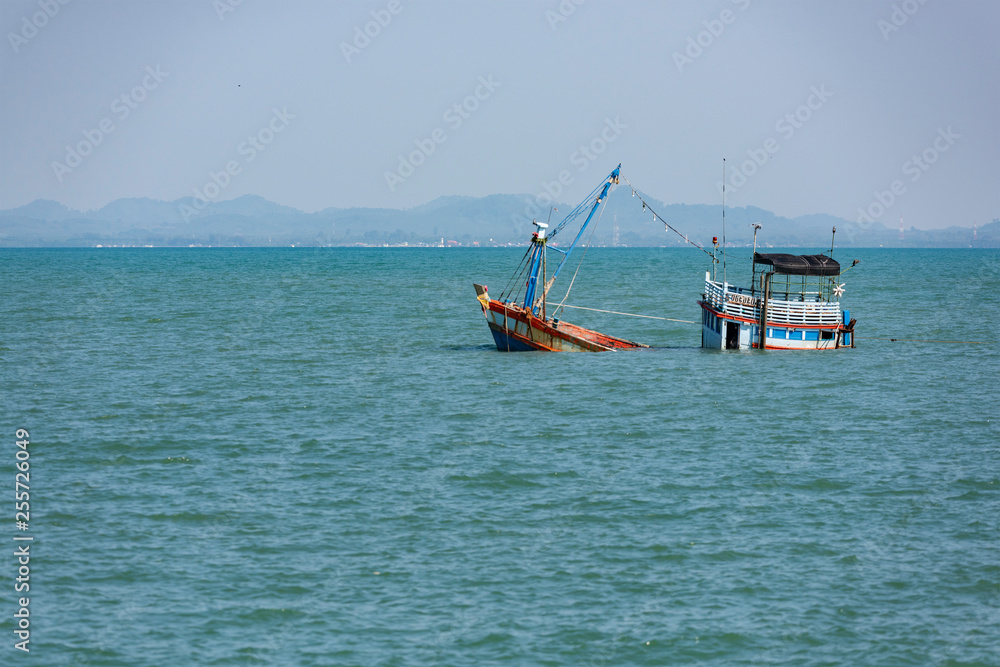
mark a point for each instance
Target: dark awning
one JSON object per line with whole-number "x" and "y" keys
{"x": 799, "y": 265}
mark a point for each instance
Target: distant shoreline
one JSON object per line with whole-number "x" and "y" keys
{"x": 491, "y": 221}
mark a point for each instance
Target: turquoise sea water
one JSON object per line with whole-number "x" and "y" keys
{"x": 318, "y": 457}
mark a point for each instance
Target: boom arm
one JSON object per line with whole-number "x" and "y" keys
{"x": 611, "y": 180}
{"x": 539, "y": 241}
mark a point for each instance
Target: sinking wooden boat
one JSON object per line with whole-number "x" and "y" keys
{"x": 521, "y": 323}
{"x": 517, "y": 329}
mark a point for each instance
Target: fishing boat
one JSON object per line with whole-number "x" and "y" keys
{"x": 793, "y": 303}
{"x": 522, "y": 322}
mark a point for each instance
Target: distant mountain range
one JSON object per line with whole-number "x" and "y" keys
{"x": 494, "y": 220}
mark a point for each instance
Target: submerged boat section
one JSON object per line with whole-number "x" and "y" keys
{"x": 516, "y": 329}
{"x": 522, "y": 322}
{"x": 792, "y": 304}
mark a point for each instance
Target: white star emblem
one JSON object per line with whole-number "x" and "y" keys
{"x": 838, "y": 290}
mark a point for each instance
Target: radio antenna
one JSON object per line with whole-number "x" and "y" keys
{"x": 724, "y": 220}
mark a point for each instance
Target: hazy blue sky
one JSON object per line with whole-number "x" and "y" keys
{"x": 819, "y": 107}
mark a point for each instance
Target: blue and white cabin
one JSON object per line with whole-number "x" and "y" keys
{"x": 793, "y": 303}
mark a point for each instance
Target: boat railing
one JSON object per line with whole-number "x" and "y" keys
{"x": 783, "y": 307}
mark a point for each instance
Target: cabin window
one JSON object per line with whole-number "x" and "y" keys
{"x": 826, "y": 335}
{"x": 812, "y": 335}
{"x": 779, "y": 333}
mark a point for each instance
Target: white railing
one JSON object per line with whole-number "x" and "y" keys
{"x": 740, "y": 302}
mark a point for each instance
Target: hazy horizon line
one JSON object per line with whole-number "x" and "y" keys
{"x": 443, "y": 196}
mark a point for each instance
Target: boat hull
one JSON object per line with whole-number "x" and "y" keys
{"x": 515, "y": 329}
{"x": 722, "y": 331}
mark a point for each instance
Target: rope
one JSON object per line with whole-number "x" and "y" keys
{"x": 667, "y": 224}
{"x": 517, "y": 272}
{"x": 615, "y": 312}
{"x": 576, "y": 212}
{"x": 911, "y": 340}
{"x": 586, "y": 248}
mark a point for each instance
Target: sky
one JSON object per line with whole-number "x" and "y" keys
{"x": 867, "y": 110}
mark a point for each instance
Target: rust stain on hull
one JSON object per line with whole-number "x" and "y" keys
{"x": 515, "y": 329}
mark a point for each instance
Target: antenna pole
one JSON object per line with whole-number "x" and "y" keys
{"x": 715, "y": 260}
{"x": 832, "y": 238}
{"x": 753, "y": 257}
{"x": 724, "y": 220}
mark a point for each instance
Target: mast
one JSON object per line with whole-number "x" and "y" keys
{"x": 724, "y": 220}
{"x": 753, "y": 258}
{"x": 539, "y": 243}
{"x": 545, "y": 288}
{"x": 611, "y": 180}
{"x": 537, "y": 255}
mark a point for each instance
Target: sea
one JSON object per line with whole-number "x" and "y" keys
{"x": 317, "y": 456}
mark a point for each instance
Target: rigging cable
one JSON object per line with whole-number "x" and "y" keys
{"x": 576, "y": 212}
{"x": 667, "y": 224}
{"x": 585, "y": 249}
{"x": 615, "y": 312}
{"x": 517, "y": 273}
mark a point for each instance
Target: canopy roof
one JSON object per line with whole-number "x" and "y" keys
{"x": 799, "y": 265}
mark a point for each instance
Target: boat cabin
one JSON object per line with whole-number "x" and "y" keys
{"x": 793, "y": 303}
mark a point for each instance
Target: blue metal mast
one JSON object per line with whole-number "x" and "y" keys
{"x": 540, "y": 242}
{"x": 537, "y": 253}
{"x": 612, "y": 179}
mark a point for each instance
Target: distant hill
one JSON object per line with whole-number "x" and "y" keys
{"x": 493, "y": 220}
